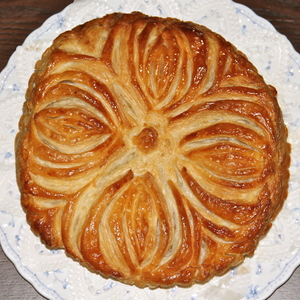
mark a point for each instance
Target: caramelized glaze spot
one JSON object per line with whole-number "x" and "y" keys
{"x": 146, "y": 140}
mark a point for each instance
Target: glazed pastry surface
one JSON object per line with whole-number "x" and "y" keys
{"x": 151, "y": 150}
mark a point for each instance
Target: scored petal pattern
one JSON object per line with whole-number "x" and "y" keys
{"x": 151, "y": 150}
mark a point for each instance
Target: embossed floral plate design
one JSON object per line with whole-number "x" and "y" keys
{"x": 57, "y": 277}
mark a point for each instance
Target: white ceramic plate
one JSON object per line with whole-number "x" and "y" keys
{"x": 57, "y": 277}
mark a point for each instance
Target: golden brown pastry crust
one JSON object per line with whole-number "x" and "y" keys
{"x": 151, "y": 150}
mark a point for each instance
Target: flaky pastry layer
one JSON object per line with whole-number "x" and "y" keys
{"x": 151, "y": 150}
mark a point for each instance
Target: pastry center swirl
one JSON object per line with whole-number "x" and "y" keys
{"x": 146, "y": 140}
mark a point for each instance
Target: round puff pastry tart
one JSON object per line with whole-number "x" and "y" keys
{"x": 151, "y": 150}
